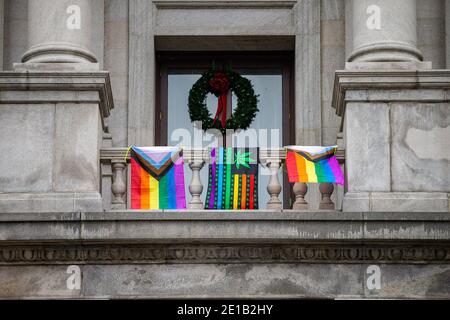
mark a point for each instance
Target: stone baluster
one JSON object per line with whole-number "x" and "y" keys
{"x": 274, "y": 186}
{"x": 195, "y": 186}
{"x": 118, "y": 186}
{"x": 300, "y": 189}
{"x": 326, "y": 190}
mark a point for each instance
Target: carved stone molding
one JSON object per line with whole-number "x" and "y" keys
{"x": 48, "y": 254}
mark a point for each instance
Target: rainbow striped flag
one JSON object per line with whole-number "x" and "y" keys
{"x": 313, "y": 164}
{"x": 157, "y": 178}
{"x": 233, "y": 179}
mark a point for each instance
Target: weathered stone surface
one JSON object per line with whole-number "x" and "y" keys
{"x": 235, "y": 280}
{"x": 35, "y": 202}
{"x": 409, "y": 201}
{"x": 27, "y": 147}
{"x": 367, "y": 147}
{"x": 77, "y": 141}
{"x": 420, "y": 147}
{"x": 411, "y": 281}
{"x": 36, "y": 282}
{"x": 227, "y": 21}
{"x": 37, "y": 226}
{"x": 356, "y": 202}
{"x": 227, "y": 280}
{"x": 249, "y": 226}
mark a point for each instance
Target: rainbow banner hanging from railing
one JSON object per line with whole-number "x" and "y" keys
{"x": 313, "y": 164}
{"x": 233, "y": 179}
{"x": 157, "y": 178}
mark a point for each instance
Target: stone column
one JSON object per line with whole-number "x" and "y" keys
{"x": 384, "y": 30}
{"x": 59, "y": 32}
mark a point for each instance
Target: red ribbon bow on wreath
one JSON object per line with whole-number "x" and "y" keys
{"x": 220, "y": 85}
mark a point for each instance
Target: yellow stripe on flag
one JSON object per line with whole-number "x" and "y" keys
{"x": 311, "y": 171}
{"x": 154, "y": 193}
{"x": 235, "y": 193}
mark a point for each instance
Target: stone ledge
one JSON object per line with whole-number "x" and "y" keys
{"x": 220, "y": 226}
{"x": 396, "y": 201}
{"x": 387, "y": 81}
{"x": 98, "y": 81}
{"x": 57, "y": 202}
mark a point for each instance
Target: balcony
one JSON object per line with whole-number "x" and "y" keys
{"x": 115, "y": 177}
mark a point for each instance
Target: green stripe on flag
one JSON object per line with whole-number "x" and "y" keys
{"x": 163, "y": 193}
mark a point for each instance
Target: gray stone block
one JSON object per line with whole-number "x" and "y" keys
{"x": 409, "y": 201}
{"x": 356, "y": 202}
{"x": 412, "y": 282}
{"x": 50, "y": 202}
{"x": 367, "y": 134}
{"x": 36, "y": 282}
{"x": 420, "y": 147}
{"x": 27, "y": 147}
{"x": 88, "y": 202}
{"x": 231, "y": 280}
{"x": 227, "y": 280}
{"x": 77, "y": 141}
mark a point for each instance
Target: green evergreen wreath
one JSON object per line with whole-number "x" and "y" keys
{"x": 242, "y": 115}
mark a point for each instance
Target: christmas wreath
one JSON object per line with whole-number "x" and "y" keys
{"x": 219, "y": 83}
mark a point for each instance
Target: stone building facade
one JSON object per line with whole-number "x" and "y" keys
{"x": 81, "y": 80}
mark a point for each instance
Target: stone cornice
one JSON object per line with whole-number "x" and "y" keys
{"x": 45, "y": 253}
{"x": 230, "y": 225}
{"x": 224, "y": 237}
{"x": 388, "y": 80}
{"x": 98, "y": 81}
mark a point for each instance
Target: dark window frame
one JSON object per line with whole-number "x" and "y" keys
{"x": 202, "y": 61}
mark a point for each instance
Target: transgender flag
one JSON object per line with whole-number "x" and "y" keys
{"x": 157, "y": 178}
{"x": 313, "y": 164}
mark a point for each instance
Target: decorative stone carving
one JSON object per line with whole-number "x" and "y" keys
{"x": 216, "y": 253}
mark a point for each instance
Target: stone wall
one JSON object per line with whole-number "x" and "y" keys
{"x": 127, "y": 254}
{"x": 431, "y": 31}
{"x": 333, "y": 58}
{"x": 116, "y": 62}
{"x": 226, "y": 281}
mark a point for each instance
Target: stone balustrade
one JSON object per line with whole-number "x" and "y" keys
{"x": 114, "y": 179}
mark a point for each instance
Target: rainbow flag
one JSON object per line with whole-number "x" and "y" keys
{"x": 233, "y": 179}
{"x": 313, "y": 164}
{"x": 157, "y": 178}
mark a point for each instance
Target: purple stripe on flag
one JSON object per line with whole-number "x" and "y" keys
{"x": 179, "y": 183}
{"x": 213, "y": 178}
{"x": 337, "y": 172}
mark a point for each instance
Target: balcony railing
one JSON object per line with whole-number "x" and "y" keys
{"x": 114, "y": 162}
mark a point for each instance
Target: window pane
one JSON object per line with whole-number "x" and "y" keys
{"x": 267, "y": 125}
